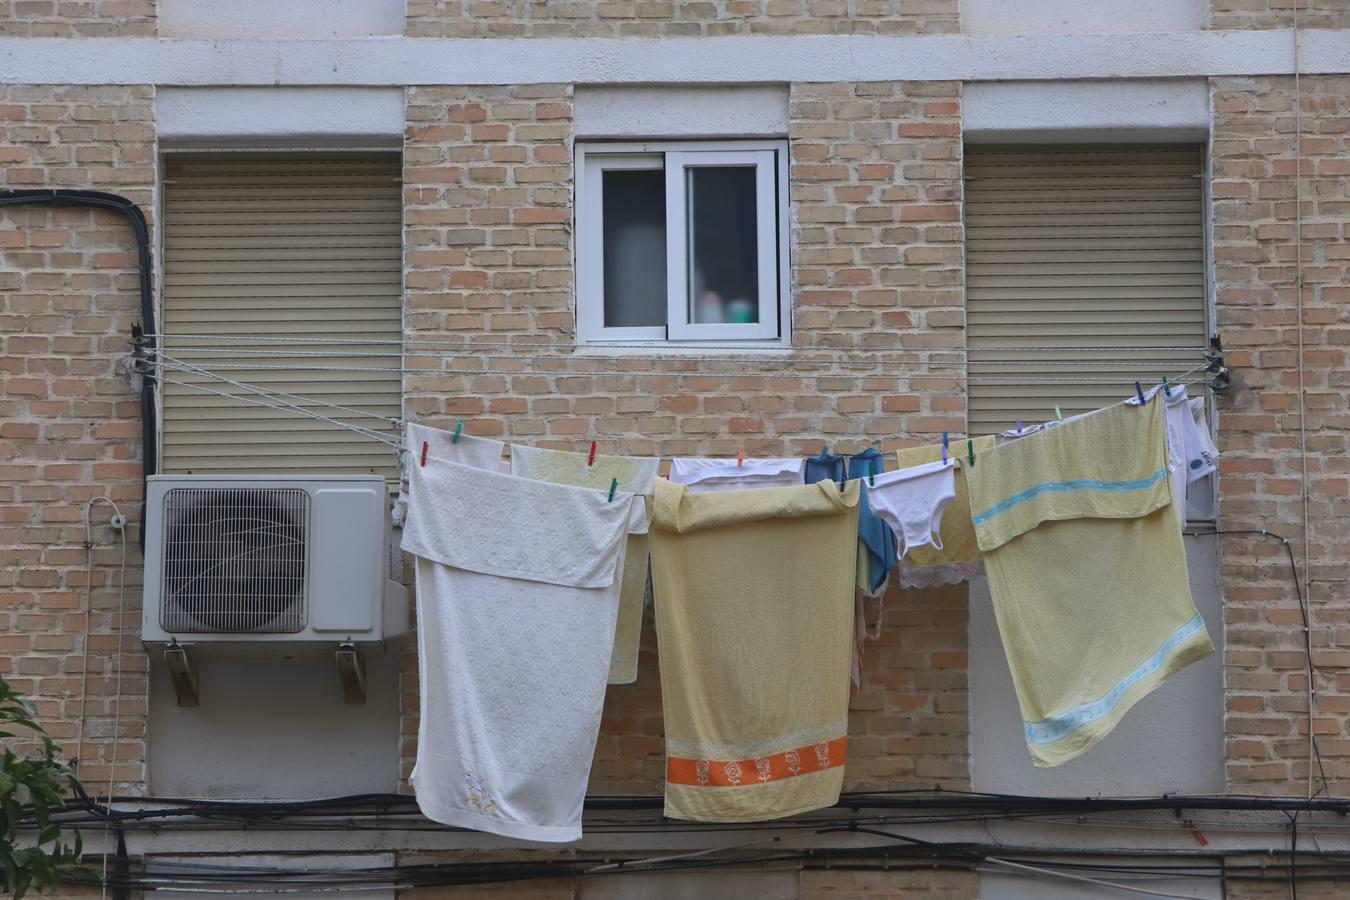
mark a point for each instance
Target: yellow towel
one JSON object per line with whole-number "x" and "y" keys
{"x": 636, "y": 476}
{"x": 958, "y": 535}
{"x": 754, "y": 623}
{"x": 1087, "y": 572}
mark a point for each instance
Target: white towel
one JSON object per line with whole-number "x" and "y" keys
{"x": 634, "y": 474}
{"x": 517, "y": 596}
{"x": 733, "y": 475}
{"x": 481, "y": 453}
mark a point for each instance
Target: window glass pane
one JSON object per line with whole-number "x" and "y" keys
{"x": 634, "y": 213}
{"x": 723, "y": 249}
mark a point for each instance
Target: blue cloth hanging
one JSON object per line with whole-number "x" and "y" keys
{"x": 825, "y": 467}
{"x": 874, "y": 534}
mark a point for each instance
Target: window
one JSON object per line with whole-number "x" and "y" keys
{"x": 682, "y": 242}
{"x": 272, "y": 261}
{"x": 1085, "y": 271}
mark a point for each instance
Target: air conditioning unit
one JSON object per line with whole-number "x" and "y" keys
{"x": 254, "y": 559}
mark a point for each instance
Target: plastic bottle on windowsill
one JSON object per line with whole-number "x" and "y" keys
{"x": 741, "y": 311}
{"x": 708, "y": 310}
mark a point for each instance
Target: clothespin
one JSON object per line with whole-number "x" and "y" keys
{"x": 613, "y": 486}
{"x": 872, "y": 471}
{"x": 944, "y": 447}
{"x": 1059, "y": 416}
{"x": 424, "y": 454}
{"x": 459, "y": 426}
{"x": 970, "y": 451}
{"x": 1140, "y": 391}
{"x": 1167, "y": 391}
{"x": 1196, "y": 833}
{"x": 590, "y": 460}
{"x": 740, "y": 457}
{"x": 1019, "y": 425}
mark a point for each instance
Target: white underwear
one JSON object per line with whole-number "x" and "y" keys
{"x": 911, "y": 501}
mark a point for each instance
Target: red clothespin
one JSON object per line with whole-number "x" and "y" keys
{"x": 424, "y": 454}
{"x": 740, "y": 457}
{"x": 590, "y": 461}
{"x": 1195, "y": 833}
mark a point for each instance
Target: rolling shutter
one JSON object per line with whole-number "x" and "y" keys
{"x": 281, "y": 246}
{"x": 1074, "y": 248}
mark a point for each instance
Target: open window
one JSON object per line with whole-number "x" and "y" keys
{"x": 682, "y": 243}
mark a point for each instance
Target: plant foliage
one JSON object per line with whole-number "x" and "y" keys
{"x": 31, "y": 787}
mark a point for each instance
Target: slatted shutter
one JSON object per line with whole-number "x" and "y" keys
{"x": 1072, "y": 248}
{"x": 281, "y": 247}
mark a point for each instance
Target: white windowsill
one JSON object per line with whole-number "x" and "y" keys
{"x": 667, "y": 348}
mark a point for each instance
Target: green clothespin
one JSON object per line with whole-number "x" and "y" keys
{"x": 970, "y": 452}
{"x": 613, "y": 486}
{"x": 1167, "y": 391}
{"x": 459, "y": 426}
{"x": 1059, "y": 416}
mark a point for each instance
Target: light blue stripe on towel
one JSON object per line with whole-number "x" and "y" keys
{"x": 1047, "y": 731}
{"x": 1084, "y": 484}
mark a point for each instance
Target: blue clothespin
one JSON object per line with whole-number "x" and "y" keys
{"x": 1140, "y": 391}
{"x": 872, "y": 471}
{"x": 1019, "y": 426}
{"x": 944, "y": 446}
{"x": 459, "y": 426}
{"x": 1167, "y": 391}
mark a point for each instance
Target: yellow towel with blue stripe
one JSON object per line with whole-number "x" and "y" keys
{"x": 1087, "y": 572}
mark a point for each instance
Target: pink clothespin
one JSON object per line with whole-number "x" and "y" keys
{"x": 424, "y": 454}
{"x": 740, "y": 457}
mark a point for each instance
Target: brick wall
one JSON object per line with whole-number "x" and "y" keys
{"x": 69, "y": 422}
{"x": 1255, "y": 252}
{"x": 1248, "y": 14}
{"x": 876, "y": 185}
{"x": 77, "y": 18}
{"x": 677, "y": 18}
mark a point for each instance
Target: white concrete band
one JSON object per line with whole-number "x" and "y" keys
{"x": 681, "y": 111}
{"x": 719, "y": 60}
{"x": 228, "y": 114}
{"x": 1086, "y": 111}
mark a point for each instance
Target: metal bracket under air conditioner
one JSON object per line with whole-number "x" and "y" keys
{"x": 180, "y": 671}
{"x": 352, "y": 671}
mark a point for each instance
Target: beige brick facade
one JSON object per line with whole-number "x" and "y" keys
{"x": 69, "y": 422}
{"x": 77, "y": 18}
{"x": 1248, "y": 14}
{"x": 875, "y": 179}
{"x": 677, "y": 18}
{"x": 1256, "y": 250}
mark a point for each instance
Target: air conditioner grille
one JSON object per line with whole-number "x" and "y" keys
{"x": 235, "y": 560}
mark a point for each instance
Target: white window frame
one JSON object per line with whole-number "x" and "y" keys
{"x": 769, "y": 158}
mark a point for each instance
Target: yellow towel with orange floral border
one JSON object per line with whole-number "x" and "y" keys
{"x": 754, "y": 620}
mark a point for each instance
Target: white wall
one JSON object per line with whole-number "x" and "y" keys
{"x": 280, "y": 19}
{"x": 1170, "y": 742}
{"x": 1081, "y": 16}
{"x": 272, "y": 727}
{"x": 1146, "y": 110}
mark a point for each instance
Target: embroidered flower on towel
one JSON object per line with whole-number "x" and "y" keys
{"x": 701, "y": 771}
{"x": 733, "y": 771}
{"x": 762, "y": 768}
{"x": 823, "y": 755}
{"x": 794, "y": 762}
{"x": 478, "y": 794}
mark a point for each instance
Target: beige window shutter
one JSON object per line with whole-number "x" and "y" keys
{"x": 282, "y": 246}
{"x": 1078, "y": 247}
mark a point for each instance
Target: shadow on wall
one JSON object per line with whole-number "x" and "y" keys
{"x": 274, "y": 727}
